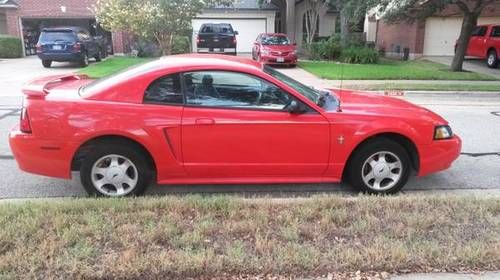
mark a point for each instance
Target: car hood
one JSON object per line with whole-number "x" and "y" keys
{"x": 361, "y": 103}
{"x": 280, "y": 48}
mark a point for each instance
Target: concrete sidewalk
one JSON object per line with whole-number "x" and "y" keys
{"x": 311, "y": 80}
{"x": 494, "y": 275}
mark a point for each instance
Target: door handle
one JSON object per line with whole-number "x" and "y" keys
{"x": 204, "y": 121}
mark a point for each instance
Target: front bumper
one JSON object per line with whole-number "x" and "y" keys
{"x": 439, "y": 155}
{"x": 276, "y": 60}
{"x": 41, "y": 157}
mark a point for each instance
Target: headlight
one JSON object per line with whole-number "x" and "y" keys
{"x": 442, "y": 132}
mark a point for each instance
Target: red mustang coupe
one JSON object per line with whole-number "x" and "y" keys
{"x": 274, "y": 48}
{"x": 197, "y": 119}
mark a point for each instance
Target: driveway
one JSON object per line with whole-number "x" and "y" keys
{"x": 14, "y": 73}
{"x": 474, "y": 65}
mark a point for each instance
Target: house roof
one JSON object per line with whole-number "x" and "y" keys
{"x": 247, "y": 5}
{"x": 8, "y": 4}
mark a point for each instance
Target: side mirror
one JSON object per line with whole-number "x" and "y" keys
{"x": 236, "y": 32}
{"x": 295, "y": 108}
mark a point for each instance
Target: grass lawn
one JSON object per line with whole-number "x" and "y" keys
{"x": 429, "y": 86}
{"x": 388, "y": 70}
{"x": 194, "y": 236}
{"x": 111, "y": 65}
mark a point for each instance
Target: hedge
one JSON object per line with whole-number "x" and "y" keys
{"x": 10, "y": 47}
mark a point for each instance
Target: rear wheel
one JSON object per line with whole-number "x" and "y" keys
{"x": 492, "y": 59}
{"x": 98, "y": 56}
{"x": 46, "y": 63}
{"x": 380, "y": 166}
{"x": 115, "y": 170}
{"x": 84, "y": 62}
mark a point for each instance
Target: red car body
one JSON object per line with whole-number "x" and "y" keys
{"x": 193, "y": 145}
{"x": 274, "y": 53}
{"x": 485, "y": 43}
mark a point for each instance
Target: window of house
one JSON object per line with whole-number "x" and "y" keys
{"x": 233, "y": 90}
{"x": 165, "y": 90}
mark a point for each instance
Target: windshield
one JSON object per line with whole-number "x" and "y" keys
{"x": 306, "y": 91}
{"x": 53, "y": 36}
{"x": 275, "y": 40}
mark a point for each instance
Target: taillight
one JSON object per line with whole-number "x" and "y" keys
{"x": 38, "y": 48}
{"x": 25, "y": 125}
{"x": 234, "y": 40}
{"x": 77, "y": 47}
{"x": 198, "y": 39}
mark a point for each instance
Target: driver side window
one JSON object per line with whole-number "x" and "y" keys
{"x": 233, "y": 90}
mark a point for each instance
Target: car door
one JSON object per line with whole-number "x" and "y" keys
{"x": 235, "y": 125}
{"x": 495, "y": 39}
{"x": 476, "y": 41}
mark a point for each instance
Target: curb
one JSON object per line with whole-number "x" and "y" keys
{"x": 458, "y": 94}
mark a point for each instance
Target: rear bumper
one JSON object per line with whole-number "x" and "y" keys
{"x": 41, "y": 157}
{"x": 217, "y": 50}
{"x": 273, "y": 60}
{"x": 439, "y": 155}
{"x": 61, "y": 56}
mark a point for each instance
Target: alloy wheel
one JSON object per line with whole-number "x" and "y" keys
{"x": 114, "y": 175}
{"x": 382, "y": 171}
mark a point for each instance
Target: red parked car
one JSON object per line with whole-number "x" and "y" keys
{"x": 196, "y": 119}
{"x": 485, "y": 44}
{"x": 274, "y": 48}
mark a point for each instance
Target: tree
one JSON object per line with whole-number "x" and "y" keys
{"x": 410, "y": 10}
{"x": 160, "y": 20}
{"x": 351, "y": 12}
{"x": 313, "y": 8}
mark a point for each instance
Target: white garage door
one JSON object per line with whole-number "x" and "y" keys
{"x": 248, "y": 30}
{"x": 441, "y": 33}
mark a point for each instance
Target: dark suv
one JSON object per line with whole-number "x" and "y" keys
{"x": 216, "y": 38}
{"x": 69, "y": 44}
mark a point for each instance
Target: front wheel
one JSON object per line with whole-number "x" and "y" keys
{"x": 115, "y": 170}
{"x": 84, "y": 62}
{"x": 380, "y": 166}
{"x": 492, "y": 59}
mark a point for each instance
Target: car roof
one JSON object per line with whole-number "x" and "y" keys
{"x": 65, "y": 28}
{"x": 206, "y": 60}
{"x": 273, "y": 34}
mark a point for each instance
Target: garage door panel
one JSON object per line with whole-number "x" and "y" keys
{"x": 441, "y": 33}
{"x": 248, "y": 30}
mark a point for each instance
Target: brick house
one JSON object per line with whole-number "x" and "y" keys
{"x": 434, "y": 36}
{"x": 25, "y": 18}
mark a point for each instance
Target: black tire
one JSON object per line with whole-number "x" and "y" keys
{"x": 357, "y": 167}
{"x": 492, "y": 59}
{"x": 84, "y": 62}
{"x": 98, "y": 56}
{"x": 135, "y": 155}
{"x": 46, "y": 63}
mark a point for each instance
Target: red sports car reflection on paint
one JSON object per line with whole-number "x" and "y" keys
{"x": 196, "y": 119}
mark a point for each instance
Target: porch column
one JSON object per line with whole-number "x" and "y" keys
{"x": 290, "y": 19}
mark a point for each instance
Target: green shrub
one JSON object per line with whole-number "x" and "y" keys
{"x": 359, "y": 55}
{"x": 10, "y": 47}
{"x": 181, "y": 45}
{"x": 324, "y": 49}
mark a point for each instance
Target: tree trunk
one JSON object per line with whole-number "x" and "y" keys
{"x": 344, "y": 28}
{"x": 165, "y": 43}
{"x": 470, "y": 21}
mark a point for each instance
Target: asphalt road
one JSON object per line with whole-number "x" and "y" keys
{"x": 475, "y": 118}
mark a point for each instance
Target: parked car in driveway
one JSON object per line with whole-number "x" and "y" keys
{"x": 485, "y": 43}
{"x": 216, "y": 38}
{"x": 73, "y": 44}
{"x": 274, "y": 48}
{"x": 198, "y": 119}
